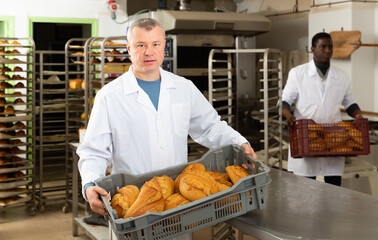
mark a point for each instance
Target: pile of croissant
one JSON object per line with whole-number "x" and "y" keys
{"x": 162, "y": 193}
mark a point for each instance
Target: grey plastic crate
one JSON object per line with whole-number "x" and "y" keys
{"x": 246, "y": 195}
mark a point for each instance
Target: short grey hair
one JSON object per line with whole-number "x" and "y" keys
{"x": 144, "y": 23}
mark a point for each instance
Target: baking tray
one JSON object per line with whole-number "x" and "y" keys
{"x": 14, "y": 201}
{"x": 14, "y": 184}
{"x": 16, "y": 169}
{"x": 13, "y": 192}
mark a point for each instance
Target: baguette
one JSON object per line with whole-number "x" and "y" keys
{"x": 150, "y": 199}
{"x": 197, "y": 184}
{"x": 175, "y": 200}
{"x": 166, "y": 184}
{"x": 124, "y": 198}
{"x": 236, "y": 172}
{"x": 222, "y": 180}
{"x": 190, "y": 167}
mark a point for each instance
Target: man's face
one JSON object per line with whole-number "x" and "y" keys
{"x": 322, "y": 50}
{"x": 146, "y": 49}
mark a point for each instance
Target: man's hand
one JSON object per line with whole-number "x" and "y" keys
{"x": 249, "y": 150}
{"x": 358, "y": 115}
{"x": 289, "y": 117}
{"x": 93, "y": 195}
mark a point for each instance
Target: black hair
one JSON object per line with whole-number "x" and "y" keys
{"x": 318, "y": 36}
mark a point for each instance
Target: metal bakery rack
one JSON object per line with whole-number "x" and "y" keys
{"x": 269, "y": 112}
{"x": 50, "y": 127}
{"x": 108, "y": 59}
{"x": 17, "y": 121}
{"x": 76, "y": 63}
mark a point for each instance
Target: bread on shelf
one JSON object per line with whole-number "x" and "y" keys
{"x": 4, "y": 141}
{"x": 5, "y": 69}
{"x": 75, "y": 83}
{"x": 18, "y": 69}
{"x": 20, "y": 125}
{"x": 15, "y": 51}
{"x": 5, "y": 85}
{"x": 19, "y": 85}
{"x": 20, "y": 133}
{"x": 15, "y": 150}
{"x": 18, "y": 101}
{"x": 15, "y": 159}
{"x": 17, "y": 77}
{"x": 2, "y": 101}
{"x": 3, "y": 176}
{"x": 16, "y": 142}
{"x": 17, "y": 94}
{"x": 3, "y": 151}
{"x": 9, "y": 110}
{"x": 15, "y": 43}
{"x": 18, "y": 174}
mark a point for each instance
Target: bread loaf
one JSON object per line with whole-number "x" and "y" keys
{"x": 124, "y": 198}
{"x": 75, "y": 83}
{"x": 190, "y": 167}
{"x": 9, "y": 109}
{"x": 197, "y": 184}
{"x": 222, "y": 179}
{"x": 166, "y": 184}
{"x": 175, "y": 200}
{"x": 150, "y": 199}
{"x": 236, "y": 172}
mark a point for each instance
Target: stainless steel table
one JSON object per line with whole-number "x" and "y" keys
{"x": 302, "y": 208}
{"x": 93, "y": 231}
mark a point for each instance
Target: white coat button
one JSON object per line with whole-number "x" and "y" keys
{"x": 158, "y": 117}
{"x": 162, "y": 146}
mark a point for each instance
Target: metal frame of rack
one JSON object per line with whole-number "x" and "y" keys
{"x": 269, "y": 72}
{"x": 50, "y": 135}
{"x": 76, "y": 63}
{"x": 17, "y": 135}
{"x": 103, "y": 70}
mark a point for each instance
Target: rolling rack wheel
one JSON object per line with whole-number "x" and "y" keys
{"x": 32, "y": 211}
{"x": 65, "y": 208}
{"x": 42, "y": 207}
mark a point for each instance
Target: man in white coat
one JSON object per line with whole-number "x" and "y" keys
{"x": 140, "y": 121}
{"x": 318, "y": 90}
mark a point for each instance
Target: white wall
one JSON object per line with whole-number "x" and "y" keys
{"x": 22, "y": 9}
{"x": 289, "y": 27}
{"x": 289, "y": 33}
{"x": 362, "y": 64}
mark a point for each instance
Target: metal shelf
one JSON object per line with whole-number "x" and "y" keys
{"x": 25, "y": 150}
{"x": 51, "y": 121}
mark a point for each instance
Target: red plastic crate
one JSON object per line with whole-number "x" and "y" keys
{"x": 310, "y": 139}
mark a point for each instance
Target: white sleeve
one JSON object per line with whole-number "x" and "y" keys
{"x": 348, "y": 97}
{"x": 205, "y": 126}
{"x": 290, "y": 91}
{"x": 95, "y": 152}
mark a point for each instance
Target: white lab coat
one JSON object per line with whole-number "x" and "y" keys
{"x": 126, "y": 128}
{"x": 304, "y": 88}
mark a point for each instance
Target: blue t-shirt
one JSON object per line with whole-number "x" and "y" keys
{"x": 152, "y": 89}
